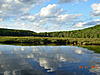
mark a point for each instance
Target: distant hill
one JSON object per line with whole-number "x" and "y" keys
{"x": 92, "y": 32}
{"x": 13, "y": 32}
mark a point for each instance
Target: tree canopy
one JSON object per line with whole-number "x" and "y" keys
{"x": 92, "y": 32}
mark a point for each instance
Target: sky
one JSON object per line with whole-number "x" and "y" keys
{"x": 49, "y": 15}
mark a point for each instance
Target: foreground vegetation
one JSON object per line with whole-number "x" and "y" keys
{"x": 94, "y": 48}
{"x": 88, "y": 36}
{"x": 50, "y": 40}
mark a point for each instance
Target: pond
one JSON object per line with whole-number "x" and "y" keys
{"x": 48, "y": 60}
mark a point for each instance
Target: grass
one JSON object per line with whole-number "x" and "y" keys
{"x": 50, "y": 40}
{"x": 94, "y": 48}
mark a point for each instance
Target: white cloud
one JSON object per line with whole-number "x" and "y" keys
{"x": 1, "y": 19}
{"x": 55, "y": 20}
{"x": 96, "y": 9}
{"x": 27, "y": 18}
{"x": 67, "y": 1}
{"x": 80, "y": 24}
{"x": 68, "y": 17}
{"x": 49, "y": 18}
{"x": 90, "y": 23}
{"x": 16, "y": 8}
{"x": 10, "y": 8}
{"x": 46, "y": 11}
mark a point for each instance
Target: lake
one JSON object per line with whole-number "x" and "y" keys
{"x": 48, "y": 60}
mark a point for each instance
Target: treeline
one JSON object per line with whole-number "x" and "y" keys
{"x": 12, "y": 32}
{"x": 92, "y": 32}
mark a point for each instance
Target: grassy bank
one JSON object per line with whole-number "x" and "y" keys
{"x": 94, "y": 48}
{"x": 50, "y": 40}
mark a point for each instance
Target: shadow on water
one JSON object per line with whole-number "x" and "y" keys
{"x": 48, "y": 60}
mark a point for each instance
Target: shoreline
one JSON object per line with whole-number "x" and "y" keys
{"x": 49, "y": 40}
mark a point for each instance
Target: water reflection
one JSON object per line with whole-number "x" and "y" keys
{"x": 48, "y": 60}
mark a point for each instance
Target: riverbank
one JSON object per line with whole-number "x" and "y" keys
{"x": 94, "y": 48}
{"x": 50, "y": 40}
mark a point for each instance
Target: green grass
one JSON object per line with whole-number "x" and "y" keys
{"x": 50, "y": 40}
{"x": 89, "y": 43}
{"x": 96, "y": 49}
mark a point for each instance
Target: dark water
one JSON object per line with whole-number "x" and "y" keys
{"x": 48, "y": 60}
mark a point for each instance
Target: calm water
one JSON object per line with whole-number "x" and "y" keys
{"x": 48, "y": 60}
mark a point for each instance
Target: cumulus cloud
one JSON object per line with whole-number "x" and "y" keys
{"x": 49, "y": 18}
{"x": 80, "y": 24}
{"x": 1, "y": 19}
{"x": 10, "y": 8}
{"x": 49, "y": 10}
{"x": 96, "y": 9}
{"x": 52, "y": 12}
{"x": 90, "y": 23}
{"x": 16, "y": 8}
{"x": 67, "y": 1}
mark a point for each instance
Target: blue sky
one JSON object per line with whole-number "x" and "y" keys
{"x": 49, "y": 15}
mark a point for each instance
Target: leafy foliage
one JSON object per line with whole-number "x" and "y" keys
{"x": 12, "y": 32}
{"x": 92, "y": 32}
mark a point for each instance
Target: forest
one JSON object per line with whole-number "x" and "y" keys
{"x": 13, "y": 32}
{"x": 92, "y": 32}
{"x": 88, "y": 36}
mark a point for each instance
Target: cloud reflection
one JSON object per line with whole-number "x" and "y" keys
{"x": 43, "y": 59}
